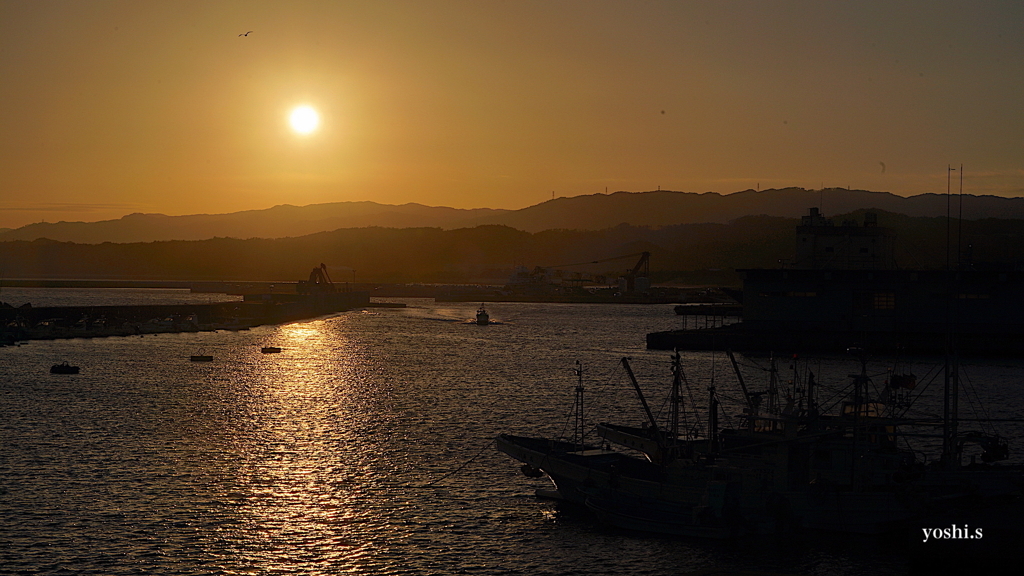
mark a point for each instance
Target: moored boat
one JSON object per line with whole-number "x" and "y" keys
{"x": 787, "y": 467}
{"x": 633, "y": 493}
{"x": 64, "y": 368}
{"x": 679, "y": 491}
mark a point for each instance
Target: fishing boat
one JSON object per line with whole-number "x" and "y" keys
{"x": 64, "y": 368}
{"x": 482, "y": 317}
{"x": 788, "y": 466}
{"x": 201, "y": 357}
{"x": 270, "y": 350}
{"x": 678, "y": 489}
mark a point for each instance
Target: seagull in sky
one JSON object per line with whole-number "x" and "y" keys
{"x": 246, "y": 34}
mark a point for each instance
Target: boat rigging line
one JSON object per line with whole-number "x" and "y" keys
{"x": 459, "y": 469}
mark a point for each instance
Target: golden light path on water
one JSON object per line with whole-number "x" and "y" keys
{"x": 308, "y": 474}
{"x": 365, "y": 447}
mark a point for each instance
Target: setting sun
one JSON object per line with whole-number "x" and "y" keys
{"x": 304, "y": 119}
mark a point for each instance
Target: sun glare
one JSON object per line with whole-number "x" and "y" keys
{"x": 304, "y": 120}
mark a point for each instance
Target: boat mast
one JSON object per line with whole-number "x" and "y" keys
{"x": 577, "y": 429}
{"x": 676, "y": 400}
{"x": 812, "y": 408}
{"x": 860, "y": 402}
{"x": 712, "y": 423}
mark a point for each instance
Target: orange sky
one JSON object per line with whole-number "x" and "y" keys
{"x": 108, "y": 108}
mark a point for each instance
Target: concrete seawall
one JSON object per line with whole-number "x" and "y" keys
{"x": 43, "y": 323}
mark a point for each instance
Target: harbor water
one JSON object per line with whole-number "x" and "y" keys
{"x": 364, "y": 447}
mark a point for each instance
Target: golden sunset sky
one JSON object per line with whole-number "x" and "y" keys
{"x": 110, "y": 107}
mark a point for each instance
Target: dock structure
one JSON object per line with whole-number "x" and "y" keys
{"x": 843, "y": 290}
{"x": 741, "y": 338}
{"x": 709, "y": 315}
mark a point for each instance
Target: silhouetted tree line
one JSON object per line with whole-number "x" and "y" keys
{"x": 489, "y": 253}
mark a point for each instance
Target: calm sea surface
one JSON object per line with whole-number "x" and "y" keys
{"x": 365, "y": 447}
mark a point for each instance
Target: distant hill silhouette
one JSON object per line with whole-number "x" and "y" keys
{"x": 595, "y": 212}
{"x": 278, "y": 222}
{"x": 666, "y": 208}
{"x": 490, "y": 253}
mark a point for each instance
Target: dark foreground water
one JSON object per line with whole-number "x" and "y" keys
{"x": 363, "y": 448}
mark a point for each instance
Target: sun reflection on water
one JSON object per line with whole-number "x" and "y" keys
{"x": 308, "y": 473}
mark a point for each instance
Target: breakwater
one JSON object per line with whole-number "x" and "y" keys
{"x": 51, "y": 322}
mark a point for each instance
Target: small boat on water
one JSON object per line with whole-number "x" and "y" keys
{"x": 63, "y": 368}
{"x": 201, "y": 357}
{"x": 270, "y": 350}
{"x": 482, "y": 317}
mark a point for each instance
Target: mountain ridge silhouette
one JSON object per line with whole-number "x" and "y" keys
{"x": 588, "y": 212}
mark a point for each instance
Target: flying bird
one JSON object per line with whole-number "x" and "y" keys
{"x": 246, "y": 34}
{"x": 883, "y": 166}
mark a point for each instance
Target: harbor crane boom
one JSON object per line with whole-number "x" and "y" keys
{"x": 319, "y": 281}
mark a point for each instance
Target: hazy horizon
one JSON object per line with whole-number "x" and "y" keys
{"x": 257, "y": 209}
{"x": 183, "y": 108}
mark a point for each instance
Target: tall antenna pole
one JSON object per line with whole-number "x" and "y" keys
{"x": 950, "y": 369}
{"x": 954, "y": 400}
{"x": 948, "y": 170}
{"x": 960, "y": 221}
{"x": 947, "y": 444}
